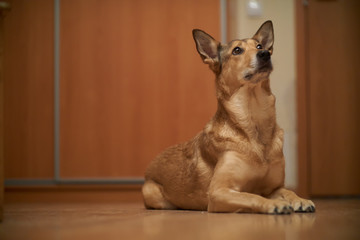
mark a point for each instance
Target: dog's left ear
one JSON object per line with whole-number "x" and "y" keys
{"x": 208, "y": 48}
{"x": 265, "y": 35}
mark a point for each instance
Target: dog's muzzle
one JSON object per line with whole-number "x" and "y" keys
{"x": 260, "y": 66}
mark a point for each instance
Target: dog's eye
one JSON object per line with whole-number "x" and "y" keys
{"x": 259, "y": 46}
{"x": 237, "y": 51}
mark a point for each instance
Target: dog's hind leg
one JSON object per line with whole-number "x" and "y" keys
{"x": 154, "y": 197}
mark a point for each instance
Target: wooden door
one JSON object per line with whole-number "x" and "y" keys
{"x": 131, "y": 82}
{"x": 332, "y": 95}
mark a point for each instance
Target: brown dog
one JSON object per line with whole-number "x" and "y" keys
{"x": 236, "y": 164}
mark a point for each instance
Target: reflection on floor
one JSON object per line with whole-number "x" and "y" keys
{"x": 334, "y": 219}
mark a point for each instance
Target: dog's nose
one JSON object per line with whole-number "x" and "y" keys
{"x": 263, "y": 55}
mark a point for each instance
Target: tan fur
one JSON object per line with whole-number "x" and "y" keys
{"x": 236, "y": 164}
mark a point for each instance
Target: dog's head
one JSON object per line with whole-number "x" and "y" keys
{"x": 240, "y": 61}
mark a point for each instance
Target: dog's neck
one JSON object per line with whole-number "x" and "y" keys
{"x": 250, "y": 110}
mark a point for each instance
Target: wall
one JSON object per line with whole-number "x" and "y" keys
{"x": 282, "y": 13}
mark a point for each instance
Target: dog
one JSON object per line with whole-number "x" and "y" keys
{"x": 236, "y": 164}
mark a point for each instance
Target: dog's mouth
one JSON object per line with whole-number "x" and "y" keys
{"x": 261, "y": 69}
{"x": 264, "y": 67}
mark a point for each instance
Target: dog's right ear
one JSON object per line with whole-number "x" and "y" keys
{"x": 207, "y": 47}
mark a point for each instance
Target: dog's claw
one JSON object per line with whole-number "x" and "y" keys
{"x": 283, "y": 210}
{"x": 300, "y": 209}
{"x": 288, "y": 210}
{"x": 312, "y": 208}
{"x": 276, "y": 210}
{"x": 304, "y": 207}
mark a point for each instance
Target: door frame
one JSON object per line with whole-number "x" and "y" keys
{"x": 302, "y": 98}
{"x": 4, "y": 6}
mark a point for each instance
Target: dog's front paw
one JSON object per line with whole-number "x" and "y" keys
{"x": 279, "y": 207}
{"x": 303, "y": 205}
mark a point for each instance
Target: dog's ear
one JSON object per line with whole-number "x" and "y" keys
{"x": 207, "y": 47}
{"x": 265, "y": 35}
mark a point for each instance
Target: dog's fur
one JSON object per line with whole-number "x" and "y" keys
{"x": 236, "y": 164}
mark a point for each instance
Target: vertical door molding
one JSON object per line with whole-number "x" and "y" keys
{"x": 302, "y": 98}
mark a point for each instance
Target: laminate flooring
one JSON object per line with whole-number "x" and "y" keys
{"x": 333, "y": 219}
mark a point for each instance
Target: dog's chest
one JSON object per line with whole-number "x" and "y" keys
{"x": 266, "y": 165}
{"x": 271, "y": 166}
{"x": 262, "y": 180}
{"x": 247, "y": 173}
{"x": 255, "y": 114}
{"x": 272, "y": 179}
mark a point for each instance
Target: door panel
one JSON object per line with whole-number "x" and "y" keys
{"x": 334, "y": 77}
{"x": 28, "y": 94}
{"x": 132, "y": 82}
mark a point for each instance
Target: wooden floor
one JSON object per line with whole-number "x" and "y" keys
{"x": 334, "y": 219}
